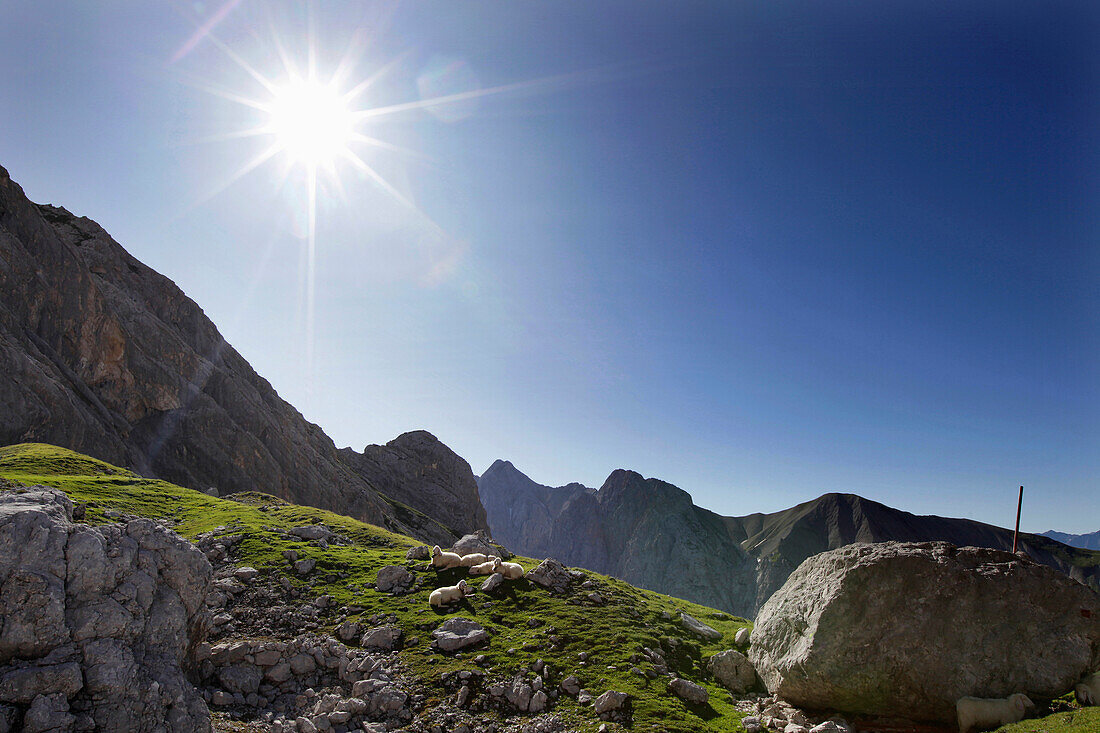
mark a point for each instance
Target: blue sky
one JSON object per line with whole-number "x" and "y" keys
{"x": 759, "y": 250}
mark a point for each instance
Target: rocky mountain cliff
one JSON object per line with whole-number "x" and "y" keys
{"x": 1090, "y": 541}
{"x": 651, "y": 534}
{"x": 103, "y": 355}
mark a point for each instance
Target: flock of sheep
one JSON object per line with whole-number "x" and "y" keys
{"x": 478, "y": 563}
{"x": 977, "y": 713}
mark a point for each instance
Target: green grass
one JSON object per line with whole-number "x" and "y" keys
{"x": 609, "y": 634}
{"x": 1084, "y": 720}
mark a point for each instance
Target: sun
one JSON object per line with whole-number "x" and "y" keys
{"x": 312, "y": 123}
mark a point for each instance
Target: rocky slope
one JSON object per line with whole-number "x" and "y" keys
{"x": 1090, "y": 541}
{"x": 651, "y": 534}
{"x": 320, "y": 622}
{"x": 103, "y": 355}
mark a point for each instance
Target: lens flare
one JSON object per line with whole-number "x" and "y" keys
{"x": 311, "y": 122}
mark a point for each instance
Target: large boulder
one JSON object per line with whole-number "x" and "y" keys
{"x": 906, "y": 629}
{"x": 100, "y": 621}
{"x": 480, "y": 541}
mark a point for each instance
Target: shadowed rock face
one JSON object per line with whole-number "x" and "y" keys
{"x": 427, "y": 475}
{"x": 100, "y": 354}
{"x": 651, "y": 534}
{"x": 644, "y": 531}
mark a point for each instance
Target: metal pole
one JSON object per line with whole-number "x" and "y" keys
{"x": 1019, "y": 506}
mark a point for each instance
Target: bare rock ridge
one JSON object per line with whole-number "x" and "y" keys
{"x": 650, "y": 534}
{"x": 427, "y": 475}
{"x": 101, "y": 354}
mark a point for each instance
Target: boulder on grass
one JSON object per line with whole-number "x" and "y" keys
{"x": 906, "y": 629}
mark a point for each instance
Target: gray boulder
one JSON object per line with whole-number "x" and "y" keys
{"x": 420, "y": 552}
{"x": 458, "y": 633}
{"x": 688, "y": 691}
{"x": 696, "y": 626}
{"x": 906, "y": 629}
{"x": 394, "y": 579}
{"x": 480, "y": 541}
{"x": 105, "y": 620}
{"x": 733, "y": 670}
{"x": 552, "y": 575}
{"x": 493, "y": 582}
{"x": 383, "y": 638}
{"x": 612, "y": 705}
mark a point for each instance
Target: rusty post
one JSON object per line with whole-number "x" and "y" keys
{"x": 1019, "y": 506}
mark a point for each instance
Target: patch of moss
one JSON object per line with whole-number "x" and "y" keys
{"x": 1083, "y": 720}
{"x": 526, "y": 623}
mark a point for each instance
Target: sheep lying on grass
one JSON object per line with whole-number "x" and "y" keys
{"x": 510, "y": 570}
{"x": 447, "y": 594}
{"x": 444, "y": 560}
{"x": 1088, "y": 692}
{"x": 485, "y": 568}
{"x": 474, "y": 558}
{"x": 978, "y": 713}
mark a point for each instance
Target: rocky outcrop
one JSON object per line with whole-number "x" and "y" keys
{"x": 650, "y": 533}
{"x": 906, "y": 629}
{"x": 100, "y": 625}
{"x": 279, "y": 678}
{"x": 418, "y": 470}
{"x": 101, "y": 354}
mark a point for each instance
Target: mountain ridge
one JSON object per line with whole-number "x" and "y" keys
{"x": 1089, "y": 541}
{"x": 734, "y": 563}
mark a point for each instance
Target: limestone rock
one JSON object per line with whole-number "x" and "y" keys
{"x": 906, "y": 629}
{"x": 552, "y": 575}
{"x": 733, "y": 671}
{"x": 493, "y": 582}
{"x": 394, "y": 579}
{"x": 480, "y": 541}
{"x": 420, "y": 552}
{"x": 688, "y": 691}
{"x": 696, "y": 626}
{"x": 105, "y": 620}
{"x": 311, "y": 532}
{"x": 458, "y": 633}
{"x": 742, "y": 637}
{"x": 609, "y": 702}
{"x": 383, "y": 638}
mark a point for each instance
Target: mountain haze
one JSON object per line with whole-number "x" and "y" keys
{"x": 651, "y": 534}
{"x": 103, "y": 355}
{"x": 1090, "y": 541}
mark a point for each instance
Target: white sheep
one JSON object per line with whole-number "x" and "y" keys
{"x": 510, "y": 570}
{"x": 978, "y": 713}
{"x": 1088, "y": 691}
{"x": 485, "y": 568}
{"x": 445, "y": 560}
{"x": 447, "y": 594}
{"x": 474, "y": 558}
